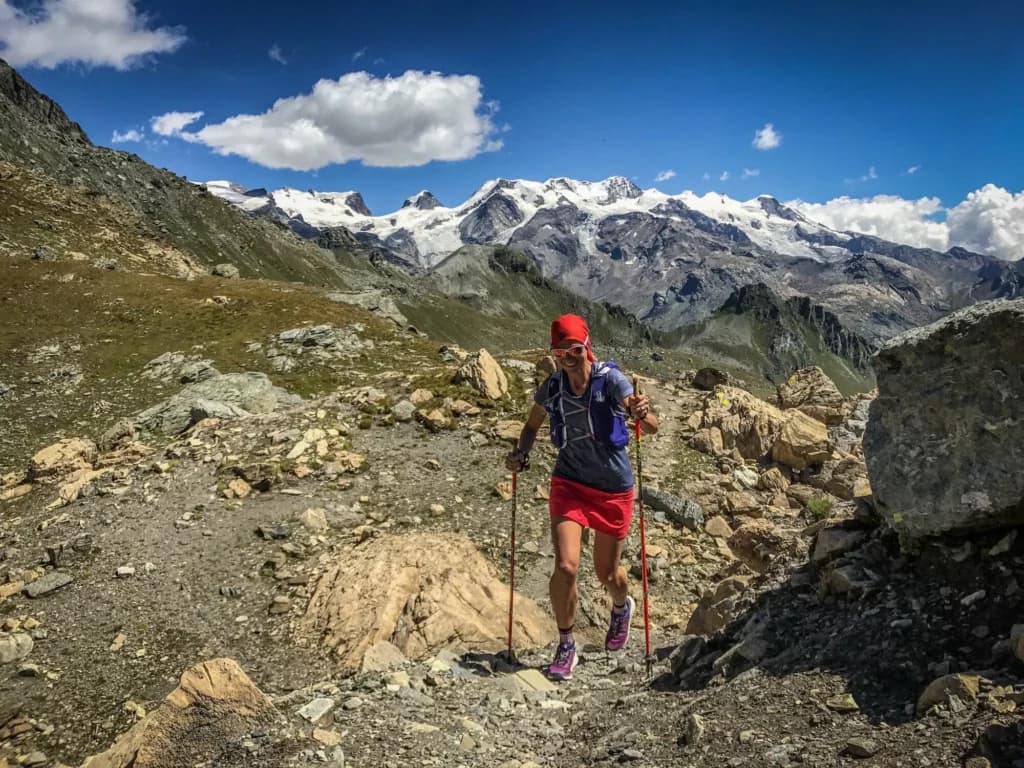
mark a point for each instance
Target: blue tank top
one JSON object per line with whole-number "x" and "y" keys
{"x": 582, "y": 459}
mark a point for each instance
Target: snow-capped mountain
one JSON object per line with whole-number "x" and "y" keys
{"x": 670, "y": 259}
{"x": 426, "y": 231}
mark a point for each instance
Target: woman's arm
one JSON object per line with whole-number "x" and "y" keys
{"x": 518, "y": 459}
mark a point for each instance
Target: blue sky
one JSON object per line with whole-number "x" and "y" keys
{"x": 589, "y": 90}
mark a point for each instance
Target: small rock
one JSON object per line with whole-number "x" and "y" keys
{"x": 314, "y": 519}
{"x": 29, "y": 670}
{"x": 963, "y": 687}
{"x": 327, "y": 738}
{"x": 861, "y": 748}
{"x": 34, "y": 759}
{"x": 399, "y": 679}
{"x": 437, "y": 510}
{"x": 844, "y": 702}
{"x": 834, "y": 541}
{"x": 229, "y": 271}
{"x": 125, "y": 571}
{"x": 403, "y": 411}
{"x": 353, "y": 703}
{"x": 280, "y": 604}
{"x": 421, "y": 397}
{"x": 270, "y": 532}
{"x": 534, "y": 680}
{"x": 681, "y": 511}
{"x": 15, "y": 647}
{"x": 314, "y": 711}
{"x": 747, "y": 478}
{"x": 973, "y": 598}
{"x": 718, "y": 528}
{"x": 382, "y": 656}
{"x": 694, "y": 729}
{"x": 51, "y": 582}
{"x": 239, "y": 488}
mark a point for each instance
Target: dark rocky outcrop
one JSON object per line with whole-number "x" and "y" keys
{"x": 943, "y": 443}
{"x": 495, "y": 214}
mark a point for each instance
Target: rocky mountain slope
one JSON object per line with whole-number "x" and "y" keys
{"x": 165, "y": 209}
{"x": 212, "y": 596}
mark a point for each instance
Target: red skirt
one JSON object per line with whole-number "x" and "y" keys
{"x": 606, "y": 512}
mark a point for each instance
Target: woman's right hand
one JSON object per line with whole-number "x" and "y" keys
{"x": 517, "y": 461}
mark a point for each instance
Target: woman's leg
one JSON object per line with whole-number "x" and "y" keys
{"x": 608, "y": 568}
{"x": 565, "y": 535}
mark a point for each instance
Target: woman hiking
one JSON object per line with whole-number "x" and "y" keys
{"x": 592, "y": 483}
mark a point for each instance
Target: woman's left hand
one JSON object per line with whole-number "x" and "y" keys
{"x": 639, "y": 407}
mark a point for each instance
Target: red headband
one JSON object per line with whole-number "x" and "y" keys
{"x": 571, "y": 328}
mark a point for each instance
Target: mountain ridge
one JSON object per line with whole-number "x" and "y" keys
{"x": 673, "y": 260}
{"x": 37, "y": 135}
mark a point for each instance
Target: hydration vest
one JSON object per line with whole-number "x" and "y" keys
{"x": 607, "y": 418}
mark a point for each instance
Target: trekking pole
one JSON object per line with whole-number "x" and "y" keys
{"x": 512, "y": 567}
{"x": 648, "y": 658}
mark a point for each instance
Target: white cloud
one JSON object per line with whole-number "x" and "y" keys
{"x": 402, "y": 121}
{"x": 100, "y": 33}
{"x": 886, "y": 216}
{"x": 665, "y": 175}
{"x": 767, "y": 137}
{"x": 724, "y": 176}
{"x": 913, "y": 169}
{"x": 173, "y": 123}
{"x": 359, "y": 54}
{"x": 989, "y": 220}
{"x": 871, "y": 175}
{"x": 131, "y": 135}
{"x": 276, "y": 54}
{"x": 749, "y": 172}
{"x": 707, "y": 176}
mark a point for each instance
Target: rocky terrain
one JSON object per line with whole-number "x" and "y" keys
{"x": 253, "y": 508}
{"x": 245, "y": 580}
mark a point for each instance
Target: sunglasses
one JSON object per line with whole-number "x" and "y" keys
{"x": 576, "y": 350}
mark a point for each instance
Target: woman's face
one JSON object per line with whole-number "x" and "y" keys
{"x": 570, "y": 356}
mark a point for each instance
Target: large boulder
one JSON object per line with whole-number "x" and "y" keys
{"x": 810, "y": 390}
{"x": 441, "y": 593}
{"x": 943, "y": 443}
{"x": 735, "y": 419}
{"x": 214, "y": 704}
{"x": 803, "y": 442}
{"x": 744, "y": 421}
{"x": 484, "y": 374}
{"x": 226, "y": 396}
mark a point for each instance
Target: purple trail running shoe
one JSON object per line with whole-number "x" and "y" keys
{"x": 565, "y": 662}
{"x": 618, "y": 629}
